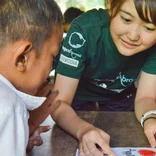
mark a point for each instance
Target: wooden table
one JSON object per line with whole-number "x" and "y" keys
{"x": 124, "y": 129}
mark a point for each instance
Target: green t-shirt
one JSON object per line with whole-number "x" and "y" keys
{"x": 89, "y": 54}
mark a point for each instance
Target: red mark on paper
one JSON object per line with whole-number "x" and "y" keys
{"x": 147, "y": 153}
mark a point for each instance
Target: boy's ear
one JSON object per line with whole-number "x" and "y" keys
{"x": 21, "y": 58}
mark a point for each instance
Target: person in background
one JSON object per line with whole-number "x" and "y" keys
{"x": 69, "y": 15}
{"x": 30, "y": 37}
{"x": 100, "y": 59}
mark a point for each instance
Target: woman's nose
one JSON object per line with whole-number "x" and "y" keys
{"x": 134, "y": 34}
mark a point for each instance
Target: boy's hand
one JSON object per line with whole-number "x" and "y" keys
{"x": 35, "y": 139}
{"x": 38, "y": 115}
{"x": 45, "y": 89}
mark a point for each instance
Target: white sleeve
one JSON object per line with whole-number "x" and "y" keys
{"x": 12, "y": 130}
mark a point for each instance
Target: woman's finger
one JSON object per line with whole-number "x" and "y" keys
{"x": 86, "y": 150}
{"x": 151, "y": 138}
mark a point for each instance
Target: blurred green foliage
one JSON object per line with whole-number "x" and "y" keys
{"x": 82, "y": 4}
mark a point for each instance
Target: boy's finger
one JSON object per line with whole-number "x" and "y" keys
{"x": 44, "y": 91}
{"x": 52, "y": 95}
{"x": 38, "y": 141}
{"x": 48, "y": 105}
{"x": 44, "y": 129}
{"x": 54, "y": 106}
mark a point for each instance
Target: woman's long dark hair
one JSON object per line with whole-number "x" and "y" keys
{"x": 149, "y": 7}
{"x": 143, "y": 7}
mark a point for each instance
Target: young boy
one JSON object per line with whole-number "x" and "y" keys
{"x": 69, "y": 15}
{"x": 30, "y": 36}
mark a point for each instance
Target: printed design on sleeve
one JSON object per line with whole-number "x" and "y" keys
{"x": 69, "y": 61}
{"x": 72, "y": 54}
{"x": 80, "y": 41}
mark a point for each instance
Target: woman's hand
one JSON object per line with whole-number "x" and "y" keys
{"x": 150, "y": 131}
{"x": 95, "y": 142}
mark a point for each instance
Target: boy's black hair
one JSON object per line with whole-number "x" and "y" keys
{"x": 31, "y": 20}
{"x": 71, "y": 13}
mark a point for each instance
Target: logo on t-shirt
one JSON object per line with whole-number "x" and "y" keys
{"x": 69, "y": 61}
{"x": 114, "y": 84}
{"x": 125, "y": 81}
{"x": 73, "y": 55}
{"x": 76, "y": 40}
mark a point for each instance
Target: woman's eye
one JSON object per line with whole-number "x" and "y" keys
{"x": 125, "y": 20}
{"x": 150, "y": 29}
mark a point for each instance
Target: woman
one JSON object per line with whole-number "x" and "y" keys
{"x": 101, "y": 57}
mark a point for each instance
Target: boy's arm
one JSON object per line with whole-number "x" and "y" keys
{"x": 146, "y": 101}
{"x": 35, "y": 139}
{"x": 38, "y": 115}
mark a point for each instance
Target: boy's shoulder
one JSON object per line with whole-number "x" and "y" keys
{"x": 7, "y": 95}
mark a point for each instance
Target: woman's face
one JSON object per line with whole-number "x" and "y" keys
{"x": 130, "y": 34}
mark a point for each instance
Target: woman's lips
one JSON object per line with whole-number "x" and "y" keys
{"x": 129, "y": 45}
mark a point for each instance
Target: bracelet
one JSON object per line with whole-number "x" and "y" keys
{"x": 145, "y": 115}
{"x": 152, "y": 117}
{"x": 33, "y": 123}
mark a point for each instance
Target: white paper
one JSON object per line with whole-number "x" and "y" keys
{"x": 77, "y": 152}
{"x": 130, "y": 151}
